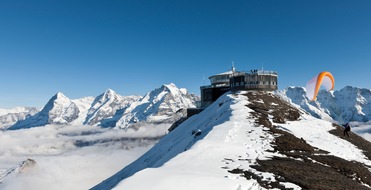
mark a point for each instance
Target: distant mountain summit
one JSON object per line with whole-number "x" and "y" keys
{"x": 58, "y": 110}
{"x": 162, "y": 105}
{"x": 106, "y": 105}
{"x": 165, "y": 104}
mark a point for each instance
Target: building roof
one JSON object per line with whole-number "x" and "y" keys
{"x": 225, "y": 73}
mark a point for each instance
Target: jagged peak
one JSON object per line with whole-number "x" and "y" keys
{"x": 296, "y": 88}
{"x": 109, "y": 91}
{"x": 172, "y": 88}
{"x": 354, "y": 89}
{"x": 108, "y": 94}
{"x": 169, "y": 86}
{"x": 59, "y": 96}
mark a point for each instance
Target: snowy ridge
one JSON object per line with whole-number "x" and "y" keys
{"x": 221, "y": 148}
{"x": 9, "y": 117}
{"x": 179, "y": 140}
{"x": 16, "y": 169}
{"x": 15, "y": 110}
{"x": 347, "y": 104}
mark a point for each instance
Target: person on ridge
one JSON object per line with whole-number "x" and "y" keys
{"x": 347, "y": 128}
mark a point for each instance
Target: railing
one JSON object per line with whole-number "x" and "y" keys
{"x": 262, "y": 72}
{"x": 214, "y": 86}
{"x": 255, "y": 72}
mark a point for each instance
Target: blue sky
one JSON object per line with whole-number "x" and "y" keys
{"x": 82, "y": 48}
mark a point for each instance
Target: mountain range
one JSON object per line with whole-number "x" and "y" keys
{"x": 344, "y": 105}
{"x": 168, "y": 103}
{"x": 162, "y": 105}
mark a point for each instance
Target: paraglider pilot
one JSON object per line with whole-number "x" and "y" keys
{"x": 347, "y": 128}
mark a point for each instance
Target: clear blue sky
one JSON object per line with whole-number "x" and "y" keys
{"x": 82, "y": 48}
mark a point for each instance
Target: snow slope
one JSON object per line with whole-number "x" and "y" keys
{"x": 83, "y": 104}
{"x": 202, "y": 151}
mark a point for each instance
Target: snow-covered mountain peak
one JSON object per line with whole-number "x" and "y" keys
{"x": 158, "y": 106}
{"x": 359, "y": 94}
{"x": 344, "y": 105}
{"x": 58, "y": 110}
{"x": 60, "y": 95}
{"x": 297, "y": 90}
{"x": 170, "y": 86}
{"x": 60, "y": 99}
{"x": 104, "y": 105}
{"x": 157, "y": 94}
{"x": 109, "y": 93}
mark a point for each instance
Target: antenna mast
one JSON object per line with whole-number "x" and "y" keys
{"x": 233, "y": 68}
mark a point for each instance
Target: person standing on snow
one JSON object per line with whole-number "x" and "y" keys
{"x": 347, "y": 128}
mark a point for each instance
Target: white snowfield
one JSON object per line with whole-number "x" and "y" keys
{"x": 199, "y": 153}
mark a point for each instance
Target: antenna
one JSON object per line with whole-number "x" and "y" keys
{"x": 233, "y": 69}
{"x": 262, "y": 67}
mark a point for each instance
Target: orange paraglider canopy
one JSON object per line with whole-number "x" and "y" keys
{"x": 324, "y": 79}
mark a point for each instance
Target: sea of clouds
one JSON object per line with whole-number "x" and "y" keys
{"x": 70, "y": 157}
{"x": 362, "y": 128}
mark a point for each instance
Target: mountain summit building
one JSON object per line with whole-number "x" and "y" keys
{"x": 237, "y": 80}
